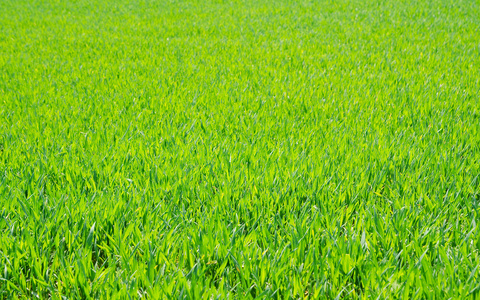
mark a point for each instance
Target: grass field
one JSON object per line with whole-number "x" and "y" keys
{"x": 239, "y": 149}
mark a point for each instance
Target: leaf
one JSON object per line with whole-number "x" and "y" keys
{"x": 90, "y": 236}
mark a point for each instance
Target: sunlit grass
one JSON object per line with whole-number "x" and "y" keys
{"x": 239, "y": 149}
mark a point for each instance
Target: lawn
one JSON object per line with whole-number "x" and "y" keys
{"x": 239, "y": 149}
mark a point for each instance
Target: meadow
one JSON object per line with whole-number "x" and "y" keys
{"x": 239, "y": 149}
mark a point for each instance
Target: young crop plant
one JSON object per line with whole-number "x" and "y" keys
{"x": 224, "y": 149}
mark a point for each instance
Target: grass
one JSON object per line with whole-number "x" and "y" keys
{"x": 239, "y": 149}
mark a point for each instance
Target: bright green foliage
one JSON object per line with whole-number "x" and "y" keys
{"x": 239, "y": 149}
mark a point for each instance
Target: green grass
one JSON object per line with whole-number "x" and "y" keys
{"x": 239, "y": 149}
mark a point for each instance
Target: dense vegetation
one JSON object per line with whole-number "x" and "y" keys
{"x": 239, "y": 149}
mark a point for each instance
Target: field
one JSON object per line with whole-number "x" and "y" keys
{"x": 239, "y": 149}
